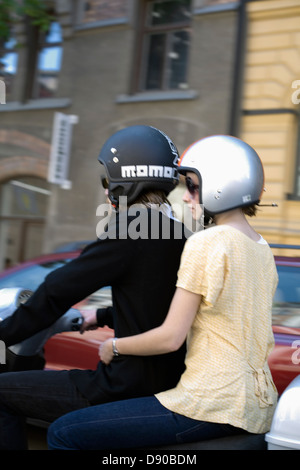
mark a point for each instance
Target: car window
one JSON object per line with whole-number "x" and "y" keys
{"x": 102, "y": 298}
{"x": 286, "y": 305}
{"x": 32, "y": 276}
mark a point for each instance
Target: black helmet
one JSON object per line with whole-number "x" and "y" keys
{"x": 139, "y": 158}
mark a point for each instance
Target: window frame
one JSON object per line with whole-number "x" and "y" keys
{"x": 4, "y": 51}
{"x": 37, "y": 42}
{"x": 140, "y": 59}
{"x": 43, "y": 47}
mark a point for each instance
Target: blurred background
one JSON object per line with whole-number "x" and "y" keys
{"x": 75, "y": 71}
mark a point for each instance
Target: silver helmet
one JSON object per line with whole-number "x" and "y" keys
{"x": 230, "y": 172}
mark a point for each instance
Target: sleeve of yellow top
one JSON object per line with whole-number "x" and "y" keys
{"x": 202, "y": 269}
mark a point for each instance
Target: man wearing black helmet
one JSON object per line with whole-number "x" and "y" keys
{"x": 140, "y": 163}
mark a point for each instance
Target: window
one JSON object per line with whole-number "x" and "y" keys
{"x": 49, "y": 63}
{"x": 44, "y": 57}
{"x": 8, "y": 66}
{"x": 93, "y": 11}
{"x": 286, "y": 305}
{"x": 165, "y": 39}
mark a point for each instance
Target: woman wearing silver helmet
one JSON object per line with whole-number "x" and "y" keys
{"x": 225, "y": 286}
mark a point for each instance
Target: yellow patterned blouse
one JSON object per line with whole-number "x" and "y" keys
{"x": 227, "y": 378}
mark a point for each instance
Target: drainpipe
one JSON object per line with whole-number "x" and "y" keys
{"x": 238, "y": 71}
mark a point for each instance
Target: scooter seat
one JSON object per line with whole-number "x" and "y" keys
{"x": 245, "y": 441}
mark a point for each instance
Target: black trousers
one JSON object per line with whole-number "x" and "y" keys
{"x": 39, "y": 394}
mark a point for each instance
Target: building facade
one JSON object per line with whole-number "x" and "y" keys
{"x": 103, "y": 65}
{"x": 191, "y": 68}
{"x": 271, "y": 109}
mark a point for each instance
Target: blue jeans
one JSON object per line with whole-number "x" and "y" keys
{"x": 134, "y": 423}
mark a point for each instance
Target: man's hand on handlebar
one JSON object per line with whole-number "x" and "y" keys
{"x": 89, "y": 320}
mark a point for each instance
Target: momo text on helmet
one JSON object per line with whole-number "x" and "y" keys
{"x": 138, "y": 159}
{"x": 230, "y": 172}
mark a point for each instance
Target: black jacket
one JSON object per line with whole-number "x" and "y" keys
{"x": 142, "y": 272}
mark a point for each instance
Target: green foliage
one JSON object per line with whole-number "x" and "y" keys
{"x": 10, "y": 10}
{"x": 6, "y": 8}
{"x": 37, "y": 11}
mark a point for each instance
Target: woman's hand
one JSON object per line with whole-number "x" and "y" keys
{"x": 106, "y": 351}
{"x": 160, "y": 340}
{"x": 163, "y": 339}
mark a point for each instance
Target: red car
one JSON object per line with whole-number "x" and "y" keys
{"x": 70, "y": 350}
{"x": 284, "y": 361}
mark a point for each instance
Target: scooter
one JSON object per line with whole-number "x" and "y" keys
{"x": 29, "y": 354}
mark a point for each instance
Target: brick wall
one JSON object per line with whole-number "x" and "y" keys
{"x": 16, "y": 165}
{"x": 99, "y": 10}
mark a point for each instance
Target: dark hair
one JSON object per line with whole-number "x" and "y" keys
{"x": 250, "y": 210}
{"x": 152, "y": 197}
